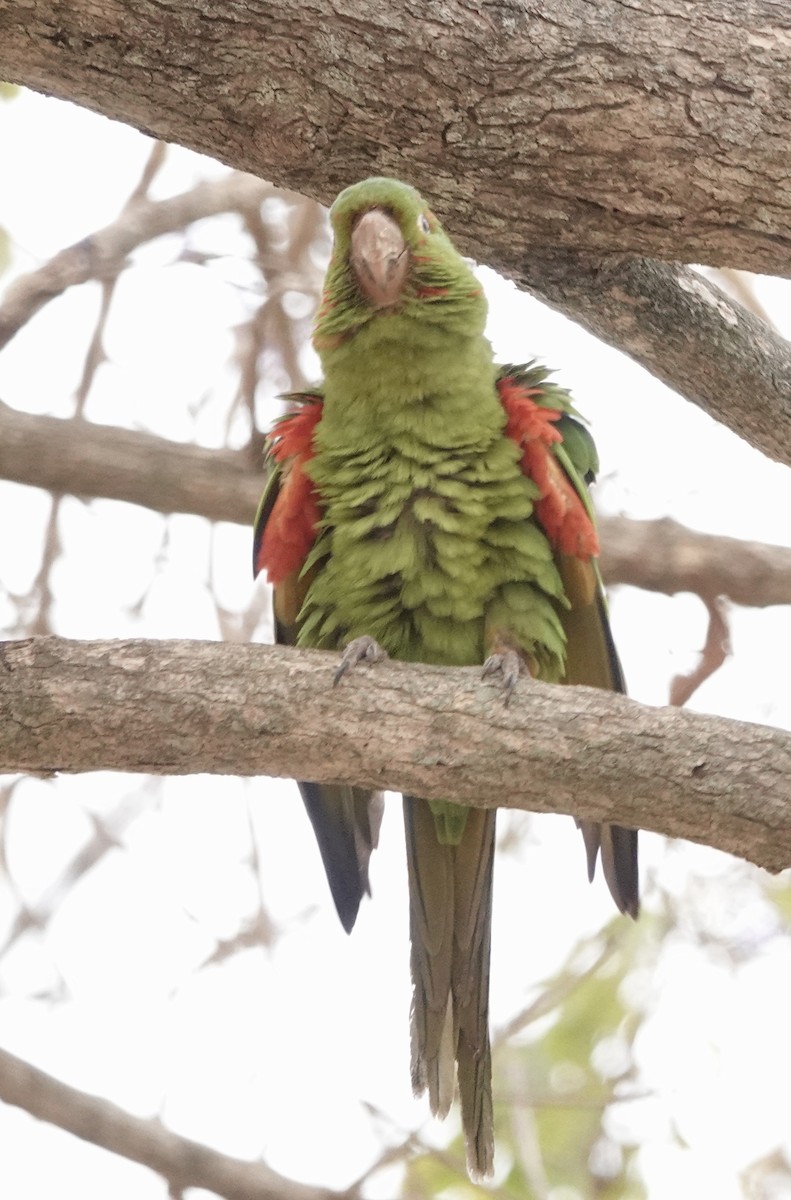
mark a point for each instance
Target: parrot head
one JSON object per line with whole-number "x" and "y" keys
{"x": 391, "y": 256}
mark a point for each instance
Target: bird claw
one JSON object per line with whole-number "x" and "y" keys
{"x": 509, "y": 666}
{"x": 360, "y": 649}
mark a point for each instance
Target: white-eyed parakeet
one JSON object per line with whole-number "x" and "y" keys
{"x": 428, "y": 502}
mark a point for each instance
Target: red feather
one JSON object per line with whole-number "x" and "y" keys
{"x": 559, "y": 510}
{"x": 291, "y": 528}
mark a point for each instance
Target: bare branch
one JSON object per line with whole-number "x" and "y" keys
{"x": 101, "y": 460}
{"x": 103, "y": 254}
{"x": 181, "y": 1162}
{"x": 716, "y": 649}
{"x": 190, "y": 707}
{"x": 225, "y": 485}
{"x": 106, "y": 836}
{"x": 663, "y": 556}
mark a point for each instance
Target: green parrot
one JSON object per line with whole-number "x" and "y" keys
{"x": 428, "y": 504}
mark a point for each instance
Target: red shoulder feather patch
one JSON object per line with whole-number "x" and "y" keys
{"x": 291, "y": 528}
{"x": 559, "y": 510}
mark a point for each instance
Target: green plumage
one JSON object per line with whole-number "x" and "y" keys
{"x": 428, "y": 517}
{"x": 428, "y": 541}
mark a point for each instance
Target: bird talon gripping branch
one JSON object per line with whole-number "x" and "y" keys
{"x": 362, "y": 649}
{"x": 508, "y": 665}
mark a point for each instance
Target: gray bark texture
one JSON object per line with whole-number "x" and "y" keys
{"x": 557, "y": 140}
{"x": 188, "y": 707}
{"x": 656, "y": 127}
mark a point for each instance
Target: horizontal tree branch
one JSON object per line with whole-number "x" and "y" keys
{"x": 191, "y": 707}
{"x": 655, "y": 129}
{"x": 84, "y": 459}
{"x": 183, "y": 1163}
{"x": 605, "y": 129}
{"x": 663, "y": 556}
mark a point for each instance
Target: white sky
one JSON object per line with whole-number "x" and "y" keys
{"x": 230, "y": 1056}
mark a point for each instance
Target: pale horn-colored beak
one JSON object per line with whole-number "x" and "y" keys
{"x": 379, "y": 258}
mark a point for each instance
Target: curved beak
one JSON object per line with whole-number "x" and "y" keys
{"x": 379, "y": 258}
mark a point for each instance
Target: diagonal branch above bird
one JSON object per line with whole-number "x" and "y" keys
{"x": 429, "y": 504}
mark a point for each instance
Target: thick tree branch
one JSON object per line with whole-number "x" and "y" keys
{"x": 659, "y": 315}
{"x": 663, "y": 556}
{"x": 90, "y": 460}
{"x": 191, "y": 707}
{"x": 657, "y": 129}
{"x": 183, "y": 1163}
{"x": 607, "y": 128}
{"x": 664, "y": 315}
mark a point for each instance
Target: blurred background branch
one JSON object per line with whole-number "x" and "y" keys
{"x": 183, "y": 1163}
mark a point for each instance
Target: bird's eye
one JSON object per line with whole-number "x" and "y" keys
{"x": 423, "y": 224}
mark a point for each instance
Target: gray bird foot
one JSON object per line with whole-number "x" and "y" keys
{"x": 509, "y": 665}
{"x": 361, "y": 649}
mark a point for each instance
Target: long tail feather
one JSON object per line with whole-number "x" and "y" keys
{"x": 450, "y": 904}
{"x": 592, "y": 660}
{"x": 474, "y": 860}
{"x": 346, "y": 823}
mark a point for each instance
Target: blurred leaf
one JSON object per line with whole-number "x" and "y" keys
{"x": 442, "y": 1175}
{"x": 8, "y": 91}
{"x": 778, "y": 892}
{"x": 557, "y": 1085}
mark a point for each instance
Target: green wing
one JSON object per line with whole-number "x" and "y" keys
{"x": 592, "y": 660}
{"x": 591, "y": 657}
{"x": 345, "y": 819}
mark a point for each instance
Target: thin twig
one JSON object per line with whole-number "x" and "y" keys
{"x": 716, "y": 649}
{"x": 183, "y": 1163}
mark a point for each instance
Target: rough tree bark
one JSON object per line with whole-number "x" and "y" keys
{"x": 189, "y": 707}
{"x": 601, "y": 129}
{"x": 657, "y": 128}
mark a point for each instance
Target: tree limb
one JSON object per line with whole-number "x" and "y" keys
{"x": 183, "y": 1163}
{"x": 663, "y": 556}
{"x": 90, "y": 460}
{"x": 664, "y": 315}
{"x": 716, "y": 649}
{"x": 76, "y": 456}
{"x": 606, "y": 129}
{"x": 191, "y": 707}
{"x": 648, "y": 129}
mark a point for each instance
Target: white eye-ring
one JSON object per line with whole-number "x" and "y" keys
{"x": 423, "y": 223}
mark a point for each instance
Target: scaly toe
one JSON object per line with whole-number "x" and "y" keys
{"x": 361, "y": 649}
{"x": 509, "y": 666}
